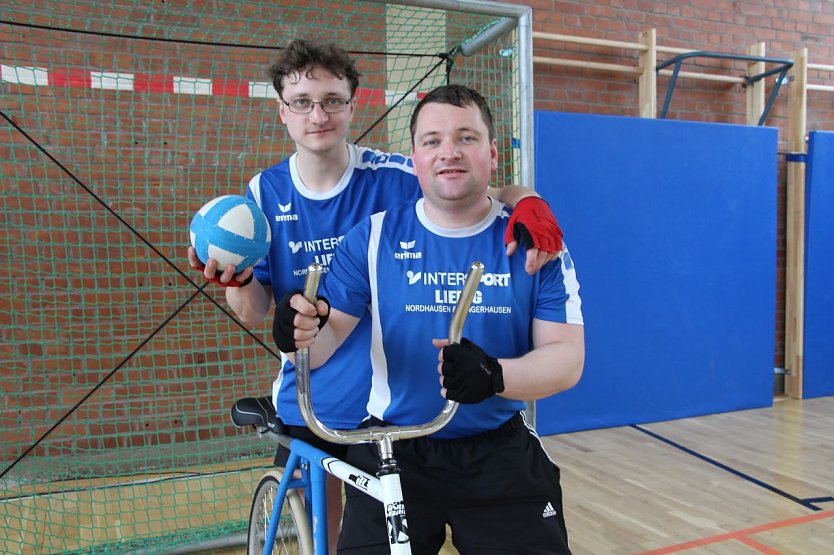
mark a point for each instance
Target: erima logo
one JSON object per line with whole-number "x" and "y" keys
{"x": 406, "y": 246}
{"x": 295, "y": 246}
{"x": 413, "y": 277}
{"x": 548, "y": 510}
{"x": 284, "y": 217}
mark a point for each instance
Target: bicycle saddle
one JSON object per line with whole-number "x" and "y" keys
{"x": 258, "y": 412}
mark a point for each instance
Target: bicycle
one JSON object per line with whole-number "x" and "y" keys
{"x": 267, "y": 532}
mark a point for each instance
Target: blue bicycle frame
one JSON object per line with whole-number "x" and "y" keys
{"x": 314, "y": 465}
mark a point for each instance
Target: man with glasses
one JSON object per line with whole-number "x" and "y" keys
{"x": 311, "y": 200}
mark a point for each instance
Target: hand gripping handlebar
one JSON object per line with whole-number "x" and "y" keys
{"x": 383, "y": 435}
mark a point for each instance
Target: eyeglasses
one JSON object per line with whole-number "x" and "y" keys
{"x": 305, "y": 105}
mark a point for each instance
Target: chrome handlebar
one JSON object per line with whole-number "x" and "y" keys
{"x": 383, "y": 435}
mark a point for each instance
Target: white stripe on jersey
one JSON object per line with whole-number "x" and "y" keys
{"x": 276, "y": 385}
{"x": 380, "y": 396}
{"x": 573, "y": 306}
{"x": 255, "y": 187}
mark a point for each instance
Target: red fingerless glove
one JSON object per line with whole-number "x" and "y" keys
{"x": 533, "y": 225}
{"x": 232, "y": 282}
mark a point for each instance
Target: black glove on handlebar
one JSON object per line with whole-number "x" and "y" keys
{"x": 283, "y": 325}
{"x": 469, "y": 374}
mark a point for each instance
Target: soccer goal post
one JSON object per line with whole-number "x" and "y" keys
{"x": 118, "y": 120}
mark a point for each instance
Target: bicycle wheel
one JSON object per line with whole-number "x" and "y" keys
{"x": 294, "y": 535}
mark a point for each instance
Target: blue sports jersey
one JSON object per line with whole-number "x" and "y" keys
{"x": 306, "y": 227}
{"x": 410, "y": 273}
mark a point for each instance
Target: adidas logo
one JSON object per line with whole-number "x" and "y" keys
{"x": 548, "y": 510}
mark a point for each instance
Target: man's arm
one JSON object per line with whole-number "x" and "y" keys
{"x": 511, "y": 194}
{"x": 469, "y": 375}
{"x": 251, "y": 302}
{"x": 554, "y": 365}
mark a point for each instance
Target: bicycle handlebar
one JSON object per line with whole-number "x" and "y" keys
{"x": 384, "y": 435}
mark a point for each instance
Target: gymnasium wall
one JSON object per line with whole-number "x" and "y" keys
{"x": 818, "y": 369}
{"x": 719, "y": 25}
{"x": 672, "y": 226}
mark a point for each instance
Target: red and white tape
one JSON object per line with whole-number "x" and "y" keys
{"x": 171, "y": 84}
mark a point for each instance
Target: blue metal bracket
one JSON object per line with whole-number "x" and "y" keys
{"x": 781, "y": 69}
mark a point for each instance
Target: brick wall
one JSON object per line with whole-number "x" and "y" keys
{"x": 89, "y": 290}
{"x": 149, "y": 108}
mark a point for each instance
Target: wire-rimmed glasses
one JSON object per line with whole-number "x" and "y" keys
{"x": 330, "y": 105}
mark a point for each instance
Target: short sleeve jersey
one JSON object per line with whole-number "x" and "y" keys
{"x": 410, "y": 273}
{"x": 306, "y": 227}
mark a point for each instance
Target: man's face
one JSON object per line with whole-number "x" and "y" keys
{"x": 318, "y": 131}
{"x": 452, "y": 153}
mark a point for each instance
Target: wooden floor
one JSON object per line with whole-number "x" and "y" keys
{"x": 747, "y": 482}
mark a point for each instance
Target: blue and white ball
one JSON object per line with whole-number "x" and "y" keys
{"x": 232, "y": 230}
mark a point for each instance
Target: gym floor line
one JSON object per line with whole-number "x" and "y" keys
{"x": 743, "y": 535}
{"x": 718, "y": 479}
{"x": 809, "y": 503}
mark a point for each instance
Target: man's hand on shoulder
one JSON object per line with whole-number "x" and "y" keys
{"x": 533, "y": 224}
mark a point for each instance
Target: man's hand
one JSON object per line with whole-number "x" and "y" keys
{"x": 297, "y": 321}
{"x": 534, "y": 225}
{"x": 468, "y": 375}
{"x": 224, "y": 278}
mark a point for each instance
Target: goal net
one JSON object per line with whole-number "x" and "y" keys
{"x": 120, "y": 118}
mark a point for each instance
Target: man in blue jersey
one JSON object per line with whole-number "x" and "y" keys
{"x": 485, "y": 474}
{"x": 311, "y": 200}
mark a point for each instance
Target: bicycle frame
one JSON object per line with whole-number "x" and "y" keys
{"x": 314, "y": 463}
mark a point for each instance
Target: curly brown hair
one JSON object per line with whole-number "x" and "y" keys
{"x": 301, "y": 57}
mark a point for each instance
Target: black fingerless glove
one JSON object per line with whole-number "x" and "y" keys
{"x": 469, "y": 374}
{"x": 283, "y": 325}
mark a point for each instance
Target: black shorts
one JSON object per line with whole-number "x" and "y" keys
{"x": 499, "y": 492}
{"x": 304, "y": 434}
